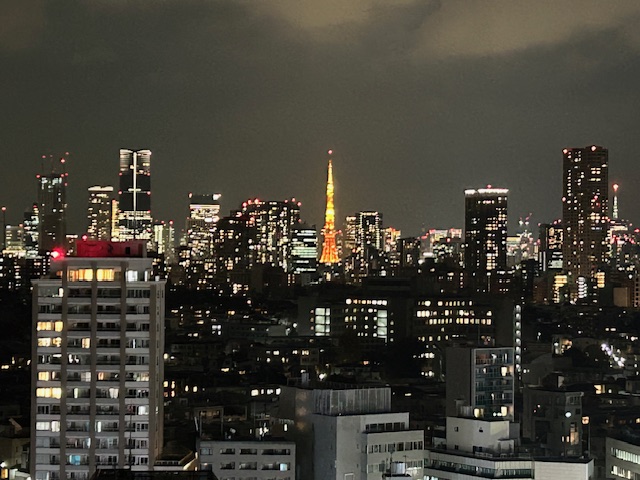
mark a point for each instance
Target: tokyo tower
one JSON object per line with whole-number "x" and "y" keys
{"x": 329, "y": 249}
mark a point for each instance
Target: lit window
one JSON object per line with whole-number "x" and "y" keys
{"x": 105, "y": 275}
{"x": 49, "y": 392}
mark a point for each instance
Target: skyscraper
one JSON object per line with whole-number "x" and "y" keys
{"x": 97, "y": 375}
{"x": 134, "y": 204}
{"x": 52, "y": 208}
{"x": 304, "y": 253}
{"x": 272, "y": 223}
{"x": 203, "y": 215}
{"x": 369, "y": 233}
{"x": 585, "y": 220}
{"x": 485, "y": 254}
{"x": 329, "y": 254}
{"x": 32, "y": 230}
{"x": 99, "y": 212}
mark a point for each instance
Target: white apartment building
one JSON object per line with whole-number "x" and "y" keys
{"x": 623, "y": 456}
{"x": 248, "y": 459}
{"x": 476, "y": 448}
{"x": 97, "y": 370}
{"x": 348, "y": 433}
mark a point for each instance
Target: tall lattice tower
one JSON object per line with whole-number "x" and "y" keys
{"x": 329, "y": 249}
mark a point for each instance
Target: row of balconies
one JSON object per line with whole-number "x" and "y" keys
{"x": 254, "y": 451}
{"x": 254, "y": 466}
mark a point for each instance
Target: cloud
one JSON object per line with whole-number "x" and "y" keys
{"x": 21, "y": 24}
{"x": 460, "y": 27}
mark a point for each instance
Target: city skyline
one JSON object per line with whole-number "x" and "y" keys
{"x": 419, "y": 101}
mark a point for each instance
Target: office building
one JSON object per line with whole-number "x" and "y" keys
{"x": 134, "y": 196}
{"x": 97, "y": 369}
{"x": 14, "y": 241}
{"x": 100, "y": 213}
{"x": 367, "y": 317}
{"x": 485, "y": 237}
{"x": 52, "y": 210}
{"x": 585, "y": 203}
{"x": 304, "y": 254}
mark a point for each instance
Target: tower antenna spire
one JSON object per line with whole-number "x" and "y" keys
{"x": 329, "y": 248}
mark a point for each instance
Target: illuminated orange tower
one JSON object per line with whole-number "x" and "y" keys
{"x": 329, "y": 249}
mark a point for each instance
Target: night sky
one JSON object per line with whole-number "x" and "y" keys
{"x": 418, "y": 99}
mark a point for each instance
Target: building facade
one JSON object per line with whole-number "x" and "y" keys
{"x": 100, "y": 213}
{"x": 272, "y": 224}
{"x": 134, "y": 196}
{"x": 304, "y": 254}
{"x": 585, "y": 203}
{"x": 482, "y": 379}
{"x": 485, "y": 254}
{"x": 52, "y": 210}
{"x": 248, "y": 459}
{"x": 349, "y": 433}
{"x": 98, "y": 342}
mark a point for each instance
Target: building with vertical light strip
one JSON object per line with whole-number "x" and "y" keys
{"x": 485, "y": 254}
{"x": 585, "y": 203}
{"x": 134, "y": 196}
{"x": 97, "y": 366}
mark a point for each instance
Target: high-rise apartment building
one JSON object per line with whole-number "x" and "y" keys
{"x": 485, "y": 254}
{"x": 97, "y": 369}
{"x": 272, "y": 223}
{"x": 204, "y": 213}
{"x": 350, "y": 235}
{"x": 52, "y": 210}
{"x": 585, "y": 201}
{"x": 551, "y": 238}
{"x": 31, "y": 224}
{"x": 369, "y": 233}
{"x": 134, "y": 196}
{"x": 99, "y": 212}
{"x": 233, "y": 240}
{"x": 482, "y": 379}
{"x": 164, "y": 238}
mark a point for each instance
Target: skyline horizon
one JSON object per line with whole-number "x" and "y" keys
{"x": 76, "y": 221}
